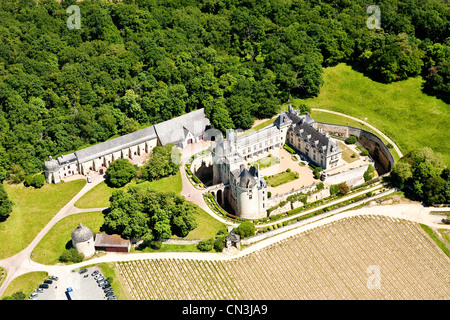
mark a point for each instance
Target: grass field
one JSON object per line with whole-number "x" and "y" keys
{"x": 25, "y": 283}
{"x": 409, "y": 117}
{"x": 266, "y": 162}
{"x": 347, "y": 153}
{"x": 98, "y": 197}
{"x": 334, "y": 261}
{"x": 281, "y": 178}
{"x": 55, "y": 241}
{"x": 32, "y": 210}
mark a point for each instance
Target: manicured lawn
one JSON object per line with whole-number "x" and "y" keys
{"x": 33, "y": 209}
{"x": 280, "y": 178}
{"x": 266, "y": 162}
{"x": 25, "y": 283}
{"x": 347, "y": 153}
{"x": 409, "y": 117}
{"x": 98, "y": 197}
{"x": 207, "y": 226}
{"x": 55, "y": 241}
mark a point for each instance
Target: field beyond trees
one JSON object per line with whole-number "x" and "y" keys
{"x": 400, "y": 109}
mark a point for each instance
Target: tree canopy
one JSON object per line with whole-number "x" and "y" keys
{"x": 150, "y": 215}
{"x": 134, "y": 63}
{"x": 425, "y": 173}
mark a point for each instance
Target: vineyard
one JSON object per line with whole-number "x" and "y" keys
{"x": 329, "y": 262}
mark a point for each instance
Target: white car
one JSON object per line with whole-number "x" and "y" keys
{"x": 98, "y": 276}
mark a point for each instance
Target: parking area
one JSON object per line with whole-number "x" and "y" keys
{"x": 86, "y": 284}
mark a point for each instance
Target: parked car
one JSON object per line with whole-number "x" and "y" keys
{"x": 54, "y": 278}
{"x": 39, "y": 290}
{"x": 102, "y": 283}
{"x": 111, "y": 298}
{"x": 44, "y": 286}
{"x": 33, "y": 295}
{"x": 83, "y": 271}
{"x": 100, "y": 279}
{"x": 89, "y": 179}
{"x": 109, "y": 294}
{"x": 108, "y": 290}
{"x": 48, "y": 281}
{"x": 95, "y": 273}
{"x": 98, "y": 276}
{"x": 106, "y": 286}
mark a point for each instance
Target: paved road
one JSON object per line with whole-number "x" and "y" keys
{"x": 21, "y": 263}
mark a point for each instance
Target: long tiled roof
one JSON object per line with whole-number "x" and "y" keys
{"x": 115, "y": 144}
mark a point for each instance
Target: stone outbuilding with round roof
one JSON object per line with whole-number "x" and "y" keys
{"x": 83, "y": 240}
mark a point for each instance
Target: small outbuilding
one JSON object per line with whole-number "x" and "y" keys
{"x": 111, "y": 243}
{"x": 83, "y": 240}
{"x": 233, "y": 240}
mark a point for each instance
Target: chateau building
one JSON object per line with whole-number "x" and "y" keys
{"x": 245, "y": 190}
{"x": 181, "y": 131}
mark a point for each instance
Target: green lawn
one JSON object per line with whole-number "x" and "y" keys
{"x": 207, "y": 226}
{"x": 281, "y": 178}
{"x": 98, "y": 197}
{"x": 54, "y": 242}
{"x": 347, "y": 153}
{"x": 266, "y": 161}
{"x": 32, "y": 210}
{"x": 25, "y": 283}
{"x": 409, "y": 117}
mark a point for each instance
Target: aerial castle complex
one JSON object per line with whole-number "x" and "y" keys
{"x": 246, "y": 190}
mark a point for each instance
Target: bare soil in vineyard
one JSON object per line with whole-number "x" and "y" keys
{"x": 362, "y": 257}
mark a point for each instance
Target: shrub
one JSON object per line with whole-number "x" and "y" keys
{"x": 288, "y": 148}
{"x": 219, "y": 244}
{"x": 206, "y": 245}
{"x": 38, "y": 181}
{"x": 155, "y": 244}
{"x": 334, "y": 189}
{"x": 351, "y": 140}
{"x": 288, "y": 170}
{"x": 320, "y": 186}
{"x": 364, "y": 152}
{"x": 119, "y": 173}
{"x": 343, "y": 188}
{"x": 245, "y": 229}
{"x": 71, "y": 255}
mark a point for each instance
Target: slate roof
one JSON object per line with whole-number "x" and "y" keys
{"x": 315, "y": 138}
{"x": 115, "y": 144}
{"x": 175, "y": 130}
{"x": 81, "y": 233}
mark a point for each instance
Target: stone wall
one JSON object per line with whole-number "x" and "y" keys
{"x": 352, "y": 177}
{"x": 379, "y": 152}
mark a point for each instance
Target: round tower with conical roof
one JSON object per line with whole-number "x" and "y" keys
{"x": 83, "y": 240}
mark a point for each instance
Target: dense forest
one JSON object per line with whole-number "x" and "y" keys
{"x": 138, "y": 62}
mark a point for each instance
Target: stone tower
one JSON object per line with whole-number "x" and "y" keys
{"x": 83, "y": 240}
